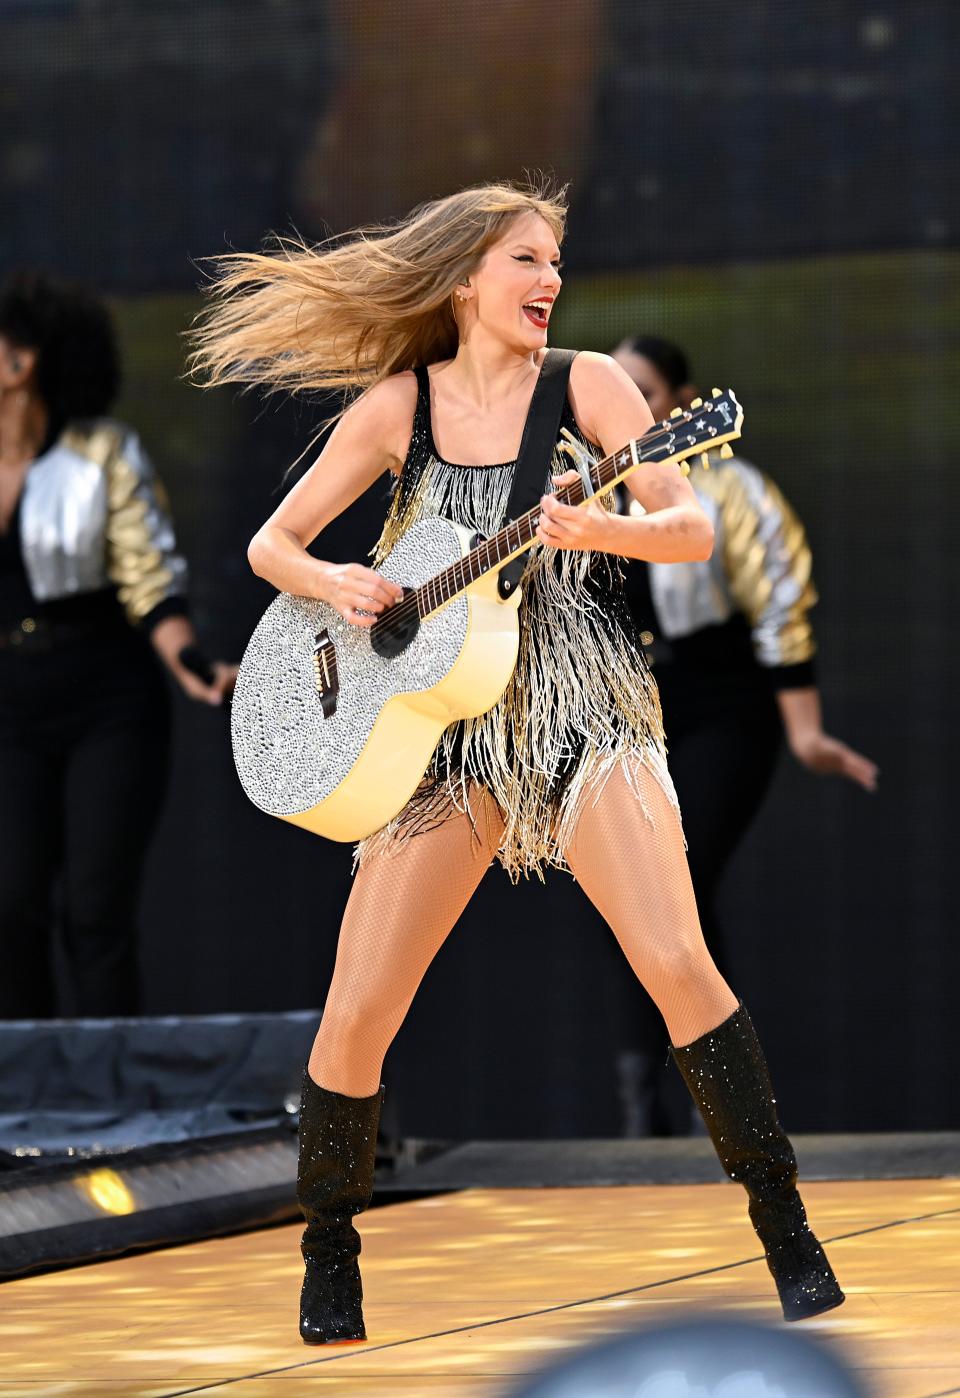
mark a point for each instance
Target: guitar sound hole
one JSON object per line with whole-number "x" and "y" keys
{"x": 395, "y": 629}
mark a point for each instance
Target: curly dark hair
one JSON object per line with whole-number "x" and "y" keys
{"x": 78, "y": 365}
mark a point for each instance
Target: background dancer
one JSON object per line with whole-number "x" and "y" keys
{"x": 732, "y": 646}
{"x": 443, "y": 320}
{"x": 92, "y": 598}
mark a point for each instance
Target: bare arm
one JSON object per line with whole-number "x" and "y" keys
{"x": 168, "y": 638}
{"x": 612, "y": 411}
{"x": 370, "y": 438}
{"x": 800, "y": 710}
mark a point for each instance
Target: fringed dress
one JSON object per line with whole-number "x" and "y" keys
{"x": 581, "y": 699}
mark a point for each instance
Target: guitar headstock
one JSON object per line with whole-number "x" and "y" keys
{"x": 705, "y": 426}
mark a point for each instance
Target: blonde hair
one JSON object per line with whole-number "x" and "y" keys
{"x": 346, "y": 313}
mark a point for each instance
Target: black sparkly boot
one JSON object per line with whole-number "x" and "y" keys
{"x": 728, "y": 1079}
{"x": 338, "y": 1142}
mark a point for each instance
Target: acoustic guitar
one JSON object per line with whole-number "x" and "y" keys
{"x": 334, "y": 725}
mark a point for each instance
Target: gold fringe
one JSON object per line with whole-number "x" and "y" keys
{"x": 580, "y": 687}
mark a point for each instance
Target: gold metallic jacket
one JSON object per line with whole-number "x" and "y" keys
{"x": 760, "y": 566}
{"x": 94, "y": 513}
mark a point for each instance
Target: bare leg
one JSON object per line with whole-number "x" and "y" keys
{"x": 405, "y": 899}
{"x": 401, "y": 908}
{"x": 635, "y": 873}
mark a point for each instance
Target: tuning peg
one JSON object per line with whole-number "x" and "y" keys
{"x": 676, "y": 412}
{"x": 684, "y": 468}
{"x": 705, "y": 461}
{"x": 715, "y": 393}
{"x": 697, "y": 403}
{"x": 726, "y": 451}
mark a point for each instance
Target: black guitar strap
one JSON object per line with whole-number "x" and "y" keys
{"x": 540, "y": 434}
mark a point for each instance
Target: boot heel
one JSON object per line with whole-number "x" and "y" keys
{"x": 798, "y": 1264}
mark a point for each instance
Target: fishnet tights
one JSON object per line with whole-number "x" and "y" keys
{"x": 404, "y": 903}
{"x": 635, "y": 873}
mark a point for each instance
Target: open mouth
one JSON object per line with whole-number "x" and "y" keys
{"x": 538, "y": 312}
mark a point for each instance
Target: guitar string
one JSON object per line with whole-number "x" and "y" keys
{"x": 393, "y": 621}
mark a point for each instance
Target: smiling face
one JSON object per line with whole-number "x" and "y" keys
{"x": 512, "y": 292}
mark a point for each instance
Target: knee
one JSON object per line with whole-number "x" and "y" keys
{"x": 682, "y": 968}
{"x": 357, "y": 1026}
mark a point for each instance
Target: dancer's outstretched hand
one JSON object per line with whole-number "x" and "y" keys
{"x": 830, "y": 757}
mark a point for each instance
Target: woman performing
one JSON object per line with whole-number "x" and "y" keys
{"x": 443, "y": 322}
{"x": 92, "y": 598}
{"x": 733, "y": 652}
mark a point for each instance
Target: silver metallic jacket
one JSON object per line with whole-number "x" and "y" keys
{"x": 760, "y": 566}
{"x": 94, "y": 513}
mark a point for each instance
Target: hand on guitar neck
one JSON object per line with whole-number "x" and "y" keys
{"x": 572, "y": 526}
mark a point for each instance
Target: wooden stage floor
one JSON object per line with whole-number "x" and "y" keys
{"x": 467, "y": 1292}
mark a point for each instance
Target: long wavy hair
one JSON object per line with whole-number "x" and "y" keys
{"x": 348, "y": 312}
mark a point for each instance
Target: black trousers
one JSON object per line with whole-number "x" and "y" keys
{"x": 84, "y": 733}
{"x": 724, "y": 736}
{"x": 722, "y": 762}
